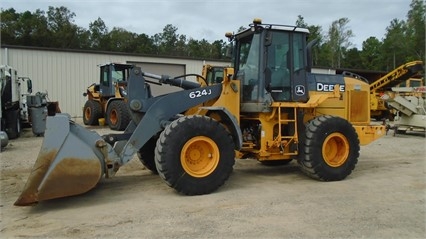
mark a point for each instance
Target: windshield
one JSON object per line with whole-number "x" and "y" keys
{"x": 249, "y": 51}
{"x": 118, "y": 74}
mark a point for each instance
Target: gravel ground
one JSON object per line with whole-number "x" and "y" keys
{"x": 383, "y": 198}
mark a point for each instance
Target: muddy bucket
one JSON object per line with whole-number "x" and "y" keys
{"x": 69, "y": 162}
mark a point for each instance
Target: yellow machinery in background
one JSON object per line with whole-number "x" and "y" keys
{"x": 380, "y": 87}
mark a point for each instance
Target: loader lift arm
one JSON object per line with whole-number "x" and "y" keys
{"x": 151, "y": 115}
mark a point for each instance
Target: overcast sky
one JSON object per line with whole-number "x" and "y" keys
{"x": 211, "y": 19}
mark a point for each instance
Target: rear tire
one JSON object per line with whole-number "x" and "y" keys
{"x": 92, "y": 111}
{"x": 195, "y": 155}
{"x": 118, "y": 115}
{"x": 146, "y": 155}
{"x": 331, "y": 149}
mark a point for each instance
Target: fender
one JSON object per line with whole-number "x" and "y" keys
{"x": 230, "y": 121}
{"x": 111, "y": 100}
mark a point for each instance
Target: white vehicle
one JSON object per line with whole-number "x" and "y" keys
{"x": 14, "y": 109}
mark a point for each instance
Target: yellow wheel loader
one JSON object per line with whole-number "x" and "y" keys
{"x": 106, "y": 99}
{"x": 268, "y": 107}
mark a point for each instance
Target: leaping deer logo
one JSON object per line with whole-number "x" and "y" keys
{"x": 300, "y": 90}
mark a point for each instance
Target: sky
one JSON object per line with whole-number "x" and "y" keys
{"x": 201, "y": 19}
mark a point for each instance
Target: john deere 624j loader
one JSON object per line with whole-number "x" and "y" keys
{"x": 269, "y": 107}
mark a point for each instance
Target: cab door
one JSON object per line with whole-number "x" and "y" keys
{"x": 106, "y": 87}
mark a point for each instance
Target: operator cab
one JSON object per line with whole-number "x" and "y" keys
{"x": 270, "y": 61}
{"x": 111, "y": 75}
{"x": 214, "y": 75}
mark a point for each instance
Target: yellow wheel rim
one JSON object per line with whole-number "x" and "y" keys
{"x": 113, "y": 118}
{"x": 199, "y": 156}
{"x": 335, "y": 150}
{"x": 87, "y": 113}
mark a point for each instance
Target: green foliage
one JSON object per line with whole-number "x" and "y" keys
{"x": 63, "y": 31}
{"x": 404, "y": 39}
{"x": 353, "y": 59}
{"x": 339, "y": 41}
{"x": 24, "y": 28}
{"x": 416, "y": 30}
{"x": 98, "y": 35}
{"x": 394, "y": 45}
{"x": 371, "y": 54}
{"x": 56, "y": 29}
{"x": 168, "y": 40}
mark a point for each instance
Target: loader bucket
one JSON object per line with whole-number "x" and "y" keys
{"x": 69, "y": 163}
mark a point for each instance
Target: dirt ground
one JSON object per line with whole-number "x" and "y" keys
{"x": 383, "y": 198}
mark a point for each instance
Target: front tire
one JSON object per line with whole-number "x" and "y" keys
{"x": 331, "y": 149}
{"x": 92, "y": 111}
{"x": 118, "y": 115}
{"x": 195, "y": 155}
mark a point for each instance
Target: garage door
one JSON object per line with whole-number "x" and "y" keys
{"x": 172, "y": 70}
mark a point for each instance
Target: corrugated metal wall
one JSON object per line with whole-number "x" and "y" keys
{"x": 65, "y": 75}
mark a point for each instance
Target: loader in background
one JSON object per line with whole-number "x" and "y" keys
{"x": 106, "y": 98}
{"x": 268, "y": 107}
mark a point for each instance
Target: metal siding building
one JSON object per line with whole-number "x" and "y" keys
{"x": 65, "y": 74}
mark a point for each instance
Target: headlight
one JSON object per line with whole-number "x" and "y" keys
{"x": 123, "y": 92}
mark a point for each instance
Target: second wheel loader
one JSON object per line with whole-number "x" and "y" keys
{"x": 106, "y": 99}
{"x": 268, "y": 107}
